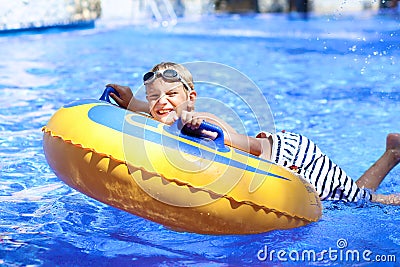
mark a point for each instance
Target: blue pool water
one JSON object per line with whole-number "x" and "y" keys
{"x": 334, "y": 79}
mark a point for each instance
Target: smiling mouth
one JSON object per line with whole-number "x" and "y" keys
{"x": 164, "y": 112}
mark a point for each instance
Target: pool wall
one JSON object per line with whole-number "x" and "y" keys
{"x": 29, "y": 14}
{"x": 35, "y": 14}
{"x": 135, "y": 9}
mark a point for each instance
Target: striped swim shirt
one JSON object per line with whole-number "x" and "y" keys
{"x": 301, "y": 155}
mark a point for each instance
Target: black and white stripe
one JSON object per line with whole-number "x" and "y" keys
{"x": 330, "y": 181}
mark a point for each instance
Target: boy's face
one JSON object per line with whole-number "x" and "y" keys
{"x": 167, "y": 99}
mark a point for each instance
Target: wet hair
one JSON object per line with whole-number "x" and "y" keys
{"x": 182, "y": 70}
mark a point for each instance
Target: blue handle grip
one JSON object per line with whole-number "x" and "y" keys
{"x": 214, "y": 128}
{"x": 218, "y": 141}
{"x": 106, "y": 94}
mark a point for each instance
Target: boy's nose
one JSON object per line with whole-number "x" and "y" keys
{"x": 162, "y": 99}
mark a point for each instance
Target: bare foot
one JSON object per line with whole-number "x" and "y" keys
{"x": 393, "y": 145}
{"x": 392, "y": 199}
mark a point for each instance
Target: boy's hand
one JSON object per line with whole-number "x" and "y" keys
{"x": 191, "y": 120}
{"x": 125, "y": 95}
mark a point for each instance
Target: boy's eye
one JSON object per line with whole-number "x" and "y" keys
{"x": 153, "y": 97}
{"x": 172, "y": 93}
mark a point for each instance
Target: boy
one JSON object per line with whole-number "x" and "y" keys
{"x": 170, "y": 94}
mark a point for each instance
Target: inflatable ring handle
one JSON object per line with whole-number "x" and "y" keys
{"x": 218, "y": 141}
{"x": 106, "y": 94}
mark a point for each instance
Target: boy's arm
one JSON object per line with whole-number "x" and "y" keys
{"x": 127, "y": 100}
{"x": 245, "y": 143}
{"x": 231, "y": 137}
{"x": 137, "y": 105}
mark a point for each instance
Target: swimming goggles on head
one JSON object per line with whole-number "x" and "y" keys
{"x": 168, "y": 75}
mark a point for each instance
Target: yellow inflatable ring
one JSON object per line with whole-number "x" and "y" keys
{"x": 186, "y": 183}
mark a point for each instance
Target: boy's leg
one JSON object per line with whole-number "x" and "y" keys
{"x": 373, "y": 177}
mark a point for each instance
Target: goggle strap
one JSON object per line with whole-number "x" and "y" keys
{"x": 151, "y": 75}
